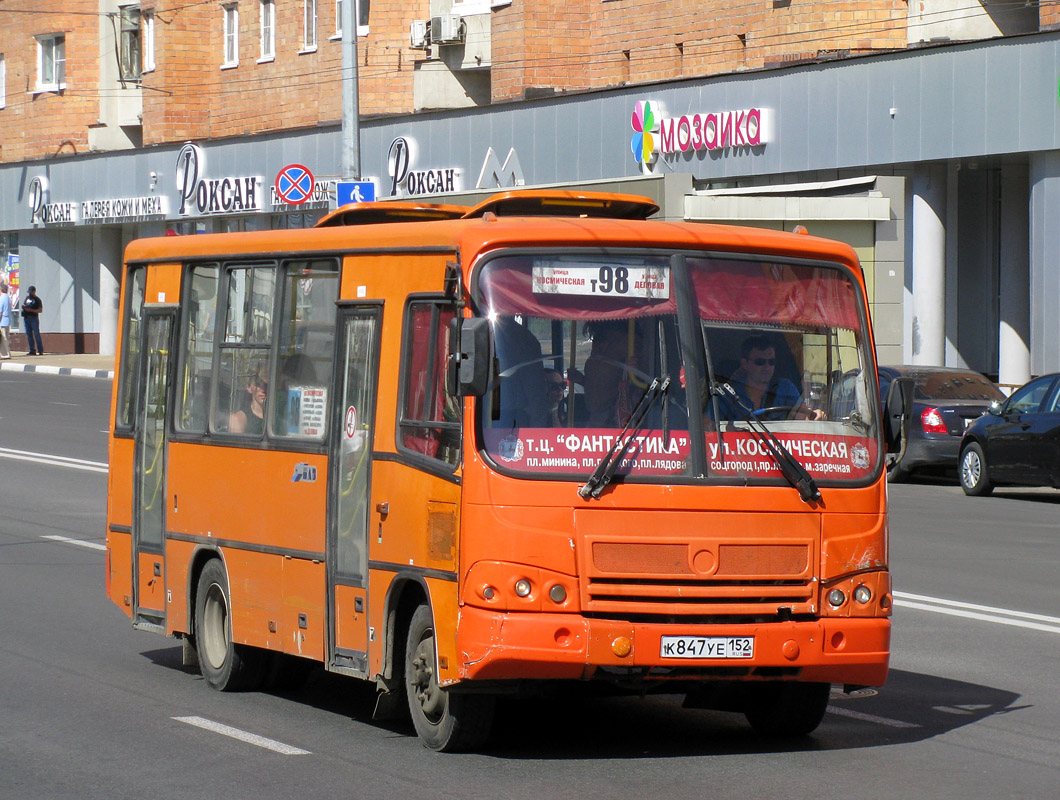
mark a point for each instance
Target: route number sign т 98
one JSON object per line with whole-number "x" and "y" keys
{"x": 602, "y": 280}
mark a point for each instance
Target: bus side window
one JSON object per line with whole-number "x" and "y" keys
{"x": 193, "y": 398}
{"x": 129, "y": 378}
{"x": 306, "y": 349}
{"x": 241, "y": 396}
{"x": 430, "y": 417}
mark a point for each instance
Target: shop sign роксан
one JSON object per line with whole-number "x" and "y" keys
{"x": 42, "y": 210}
{"x": 207, "y": 196}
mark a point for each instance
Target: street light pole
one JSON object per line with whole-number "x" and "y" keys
{"x": 351, "y": 126}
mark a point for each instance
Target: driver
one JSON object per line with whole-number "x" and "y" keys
{"x": 757, "y": 386}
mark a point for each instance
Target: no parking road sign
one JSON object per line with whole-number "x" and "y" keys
{"x": 294, "y": 184}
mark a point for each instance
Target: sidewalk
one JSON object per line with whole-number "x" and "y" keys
{"x": 82, "y": 365}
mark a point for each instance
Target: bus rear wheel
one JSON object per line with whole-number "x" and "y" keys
{"x": 224, "y": 665}
{"x": 787, "y": 709}
{"x": 444, "y": 721}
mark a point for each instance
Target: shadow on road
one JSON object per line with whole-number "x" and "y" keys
{"x": 571, "y": 723}
{"x": 1031, "y": 495}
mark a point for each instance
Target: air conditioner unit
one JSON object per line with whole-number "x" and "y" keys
{"x": 418, "y": 34}
{"x": 447, "y": 29}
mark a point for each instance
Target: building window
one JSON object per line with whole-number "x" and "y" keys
{"x": 148, "y": 20}
{"x": 51, "y": 62}
{"x": 3, "y": 81}
{"x": 360, "y": 10}
{"x": 268, "y": 30}
{"x": 309, "y": 26}
{"x": 231, "y": 35}
{"x": 130, "y": 50}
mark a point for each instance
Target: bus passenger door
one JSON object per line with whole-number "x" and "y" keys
{"x": 149, "y": 482}
{"x": 350, "y": 482}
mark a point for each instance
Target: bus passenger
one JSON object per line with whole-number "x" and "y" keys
{"x": 607, "y": 390}
{"x": 757, "y": 387}
{"x": 251, "y": 418}
{"x": 523, "y": 393}
{"x": 557, "y": 400}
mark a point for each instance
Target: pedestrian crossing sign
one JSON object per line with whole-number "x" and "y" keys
{"x": 354, "y": 192}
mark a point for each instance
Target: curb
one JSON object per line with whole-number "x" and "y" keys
{"x": 46, "y": 370}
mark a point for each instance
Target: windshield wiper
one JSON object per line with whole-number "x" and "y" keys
{"x": 790, "y": 467}
{"x": 605, "y": 470}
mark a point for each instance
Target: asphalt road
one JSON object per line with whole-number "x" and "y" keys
{"x": 90, "y": 708}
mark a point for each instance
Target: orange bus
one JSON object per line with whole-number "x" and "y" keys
{"x": 464, "y": 452}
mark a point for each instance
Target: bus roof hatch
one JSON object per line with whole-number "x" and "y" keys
{"x": 390, "y": 211}
{"x": 565, "y": 203}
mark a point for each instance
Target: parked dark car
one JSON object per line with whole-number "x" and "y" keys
{"x": 1017, "y": 443}
{"x": 945, "y": 401}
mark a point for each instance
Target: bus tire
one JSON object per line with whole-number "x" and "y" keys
{"x": 224, "y": 665}
{"x": 787, "y": 709}
{"x": 446, "y": 722}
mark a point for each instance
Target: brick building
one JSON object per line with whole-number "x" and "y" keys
{"x": 873, "y": 111}
{"x": 130, "y": 75}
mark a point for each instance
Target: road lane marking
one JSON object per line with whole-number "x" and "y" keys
{"x": 54, "y": 461}
{"x": 244, "y": 736}
{"x": 860, "y": 715}
{"x": 78, "y": 542}
{"x": 1001, "y": 616}
{"x": 958, "y": 604}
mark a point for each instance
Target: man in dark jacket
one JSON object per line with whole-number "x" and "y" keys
{"x": 31, "y": 308}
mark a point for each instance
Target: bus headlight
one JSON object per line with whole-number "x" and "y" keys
{"x": 836, "y": 598}
{"x": 557, "y": 594}
{"x": 863, "y": 594}
{"x": 522, "y": 588}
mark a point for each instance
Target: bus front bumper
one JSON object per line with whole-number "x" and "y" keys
{"x": 537, "y": 646}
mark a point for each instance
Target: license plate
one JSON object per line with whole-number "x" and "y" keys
{"x": 707, "y": 647}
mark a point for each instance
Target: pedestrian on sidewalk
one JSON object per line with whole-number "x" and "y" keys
{"x": 31, "y": 308}
{"x": 5, "y": 322}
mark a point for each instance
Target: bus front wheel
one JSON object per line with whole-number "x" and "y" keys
{"x": 787, "y": 709}
{"x": 444, "y": 721}
{"x": 224, "y": 665}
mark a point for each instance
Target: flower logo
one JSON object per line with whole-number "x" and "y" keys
{"x": 644, "y": 123}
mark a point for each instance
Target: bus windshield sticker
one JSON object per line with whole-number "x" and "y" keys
{"x": 601, "y": 280}
{"x": 579, "y": 450}
{"x": 306, "y": 406}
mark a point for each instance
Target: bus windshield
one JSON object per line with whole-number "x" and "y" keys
{"x": 580, "y": 338}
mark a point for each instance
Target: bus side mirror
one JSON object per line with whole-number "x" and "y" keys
{"x": 896, "y": 412}
{"x": 469, "y": 358}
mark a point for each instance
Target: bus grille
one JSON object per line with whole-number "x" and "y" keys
{"x": 731, "y": 580}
